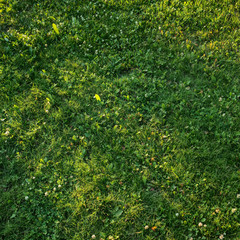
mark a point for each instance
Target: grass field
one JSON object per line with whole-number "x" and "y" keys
{"x": 119, "y": 119}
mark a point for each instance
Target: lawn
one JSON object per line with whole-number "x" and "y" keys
{"x": 119, "y": 119}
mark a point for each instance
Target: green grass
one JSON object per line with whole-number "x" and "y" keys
{"x": 119, "y": 119}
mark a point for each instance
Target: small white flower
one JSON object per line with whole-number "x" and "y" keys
{"x": 93, "y": 236}
{"x": 33, "y": 177}
{"x": 200, "y": 224}
{"x": 205, "y": 225}
{"x": 221, "y": 236}
{"x": 177, "y": 214}
{"x": 146, "y": 227}
{"x": 26, "y": 198}
{"x": 54, "y": 189}
{"x": 7, "y": 133}
{"x": 234, "y": 210}
{"x": 238, "y": 195}
{"x": 220, "y": 99}
{"x": 46, "y": 111}
{"x": 46, "y": 193}
{"x": 59, "y": 185}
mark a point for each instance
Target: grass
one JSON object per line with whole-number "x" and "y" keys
{"x": 119, "y": 119}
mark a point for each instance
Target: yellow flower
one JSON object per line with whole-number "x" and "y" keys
{"x": 97, "y": 97}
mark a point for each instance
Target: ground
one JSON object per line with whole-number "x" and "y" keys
{"x": 119, "y": 119}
